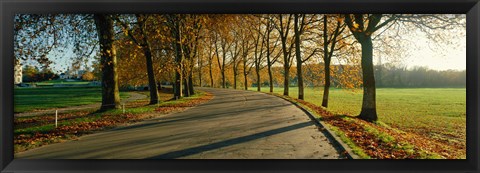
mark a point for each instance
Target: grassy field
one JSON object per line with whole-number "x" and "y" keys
{"x": 61, "y": 81}
{"x": 436, "y": 113}
{"x": 29, "y": 99}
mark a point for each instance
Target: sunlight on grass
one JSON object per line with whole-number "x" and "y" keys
{"x": 434, "y": 112}
{"x": 29, "y": 99}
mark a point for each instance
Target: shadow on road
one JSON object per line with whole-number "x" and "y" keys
{"x": 230, "y": 142}
{"x": 200, "y": 116}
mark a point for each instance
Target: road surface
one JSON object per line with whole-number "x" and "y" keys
{"x": 235, "y": 124}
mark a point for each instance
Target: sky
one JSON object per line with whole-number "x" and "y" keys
{"x": 422, "y": 51}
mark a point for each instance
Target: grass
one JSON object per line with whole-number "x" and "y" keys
{"x": 61, "y": 81}
{"x": 49, "y": 127}
{"x": 355, "y": 149}
{"x": 435, "y": 113}
{"x": 30, "y": 99}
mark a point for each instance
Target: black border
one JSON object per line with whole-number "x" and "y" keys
{"x": 9, "y": 7}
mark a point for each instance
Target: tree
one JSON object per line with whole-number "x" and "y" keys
{"x": 328, "y": 53}
{"x": 259, "y": 46}
{"x": 270, "y": 26}
{"x": 210, "y": 57}
{"x": 174, "y": 21}
{"x": 283, "y": 28}
{"x": 234, "y": 53}
{"x": 363, "y": 26}
{"x": 192, "y": 27}
{"x": 88, "y": 76}
{"x": 299, "y": 29}
{"x": 142, "y": 41}
{"x": 108, "y": 61}
{"x": 221, "y": 54}
{"x": 246, "y": 60}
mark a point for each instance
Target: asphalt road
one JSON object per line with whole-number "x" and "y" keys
{"x": 233, "y": 125}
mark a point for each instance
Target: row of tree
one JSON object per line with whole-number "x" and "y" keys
{"x": 33, "y": 74}
{"x": 174, "y": 46}
{"x": 398, "y": 76}
{"x": 387, "y": 75}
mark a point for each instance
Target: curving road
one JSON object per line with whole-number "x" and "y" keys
{"x": 233, "y": 125}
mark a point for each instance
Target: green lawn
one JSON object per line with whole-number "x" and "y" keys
{"x": 61, "y": 81}
{"x": 29, "y": 99}
{"x": 438, "y": 113}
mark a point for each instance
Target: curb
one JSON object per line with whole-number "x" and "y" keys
{"x": 345, "y": 149}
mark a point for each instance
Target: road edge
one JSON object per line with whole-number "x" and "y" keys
{"x": 346, "y": 150}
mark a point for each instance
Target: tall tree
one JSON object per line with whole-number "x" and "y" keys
{"x": 247, "y": 64}
{"x": 234, "y": 53}
{"x": 174, "y": 21}
{"x": 284, "y": 28}
{"x": 142, "y": 41}
{"x": 110, "y": 93}
{"x": 300, "y": 23}
{"x": 210, "y": 57}
{"x": 191, "y": 29}
{"x": 221, "y": 49}
{"x": 271, "y": 60}
{"x": 259, "y": 46}
{"x": 362, "y": 27}
{"x": 328, "y": 52}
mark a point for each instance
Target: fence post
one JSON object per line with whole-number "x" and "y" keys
{"x": 56, "y": 118}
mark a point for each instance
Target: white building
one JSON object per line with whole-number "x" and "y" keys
{"x": 17, "y": 79}
{"x": 72, "y": 74}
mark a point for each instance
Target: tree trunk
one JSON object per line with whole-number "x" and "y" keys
{"x": 108, "y": 61}
{"x": 258, "y": 79}
{"x": 269, "y": 62}
{"x": 270, "y": 77}
{"x": 178, "y": 86}
{"x": 200, "y": 64}
{"x": 286, "y": 66}
{"x": 326, "y": 59}
{"x": 191, "y": 90}
{"x": 299, "y": 59}
{"x": 152, "y": 84}
{"x": 286, "y": 78}
{"x": 178, "y": 60}
{"x": 369, "y": 109}
{"x": 326, "y": 87}
{"x": 186, "y": 93}
{"x": 245, "y": 81}
{"x": 224, "y": 84}
{"x": 210, "y": 72}
{"x": 235, "y": 74}
{"x": 200, "y": 79}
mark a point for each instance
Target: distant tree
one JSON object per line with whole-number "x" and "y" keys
{"x": 88, "y": 76}
{"x": 30, "y": 73}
